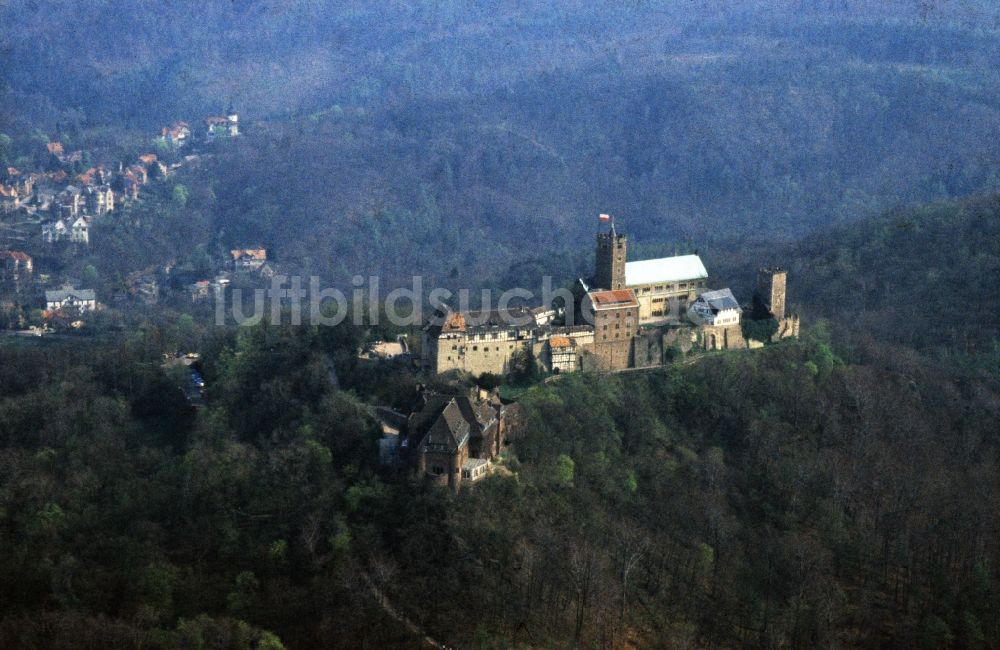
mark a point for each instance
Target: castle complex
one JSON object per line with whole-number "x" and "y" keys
{"x": 629, "y": 315}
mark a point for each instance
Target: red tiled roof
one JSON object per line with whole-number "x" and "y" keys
{"x": 15, "y": 255}
{"x": 617, "y": 298}
{"x": 560, "y": 342}
{"x": 147, "y": 158}
{"x": 252, "y": 253}
{"x": 55, "y": 148}
{"x": 455, "y": 321}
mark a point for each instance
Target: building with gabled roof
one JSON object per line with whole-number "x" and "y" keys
{"x": 10, "y": 198}
{"x": 79, "y": 232}
{"x": 248, "y": 259}
{"x": 222, "y": 126}
{"x": 99, "y": 199}
{"x": 562, "y": 354}
{"x": 54, "y": 232}
{"x": 69, "y": 298}
{"x": 717, "y": 315}
{"x": 449, "y": 438}
{"x": 717, "y": 307}
{"x": 176, "y": 134}
{"x": 663, "y": 286}
{"x": 664, "y": 269}
{"x": 15, "y": 266}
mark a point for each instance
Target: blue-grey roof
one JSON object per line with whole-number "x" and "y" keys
{"x": 59, "y": 295}
{"x": 719, "y": 300}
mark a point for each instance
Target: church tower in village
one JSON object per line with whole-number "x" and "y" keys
{"x": 610, "y": 267}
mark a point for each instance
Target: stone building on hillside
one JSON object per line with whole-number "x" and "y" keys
{"x": 631, "y": 314}
{"x": 488, "y": 340}
{"x": 562, "y": 354}
{"x": 718, "y": 315}
{"x": 615, "y": 318}
{"x": 452, "y": 438}
{"x": 663, "y": 286}
{"x": 769, "y": 301}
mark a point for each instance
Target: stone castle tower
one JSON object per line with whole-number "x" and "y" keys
{"x": 609, "y": 272}
{"x": 771, "y": 289}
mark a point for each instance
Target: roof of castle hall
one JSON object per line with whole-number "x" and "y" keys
{"x": 613, "y": 299}
{"x": 484, "y": 319}
{"x": 664, "y": 269}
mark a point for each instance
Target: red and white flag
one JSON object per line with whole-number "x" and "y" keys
{"x": 604, "y": 218}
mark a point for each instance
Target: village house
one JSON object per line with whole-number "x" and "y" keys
{"x": 79, "y": 232}
{"x": 177, "y": 134}
{"x": 99, "y": 200}
{"x": 54, "y": 232}
{"x": 15, "y": 265}
{"x": 129, "y": 181}
{"x": 199, "y": 290}
{"x": 70, "y": 202}
{"x": 217, "y": 126}
{"x": 95, "y": 176}
{"x": 10, "y": 198}
{"x": 248, "y": 259}
{"x": 68, "y": 299}
{"x": 152, "y": 165}
{"x": 143, "y": 288}
{"x": 203, "y": 289}
{"x": 23, "y": 182}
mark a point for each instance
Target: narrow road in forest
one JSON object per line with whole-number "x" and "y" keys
{"x": 396, "y": 615}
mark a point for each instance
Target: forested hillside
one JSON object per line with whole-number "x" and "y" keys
{"x": 379, "y": 134}
{"x": 926, "y": 277}
{"x": 837, "y": 490}
{"x": 788, "y": 497}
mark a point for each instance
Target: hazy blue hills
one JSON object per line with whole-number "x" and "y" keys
{"x": 455, "y": 129}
